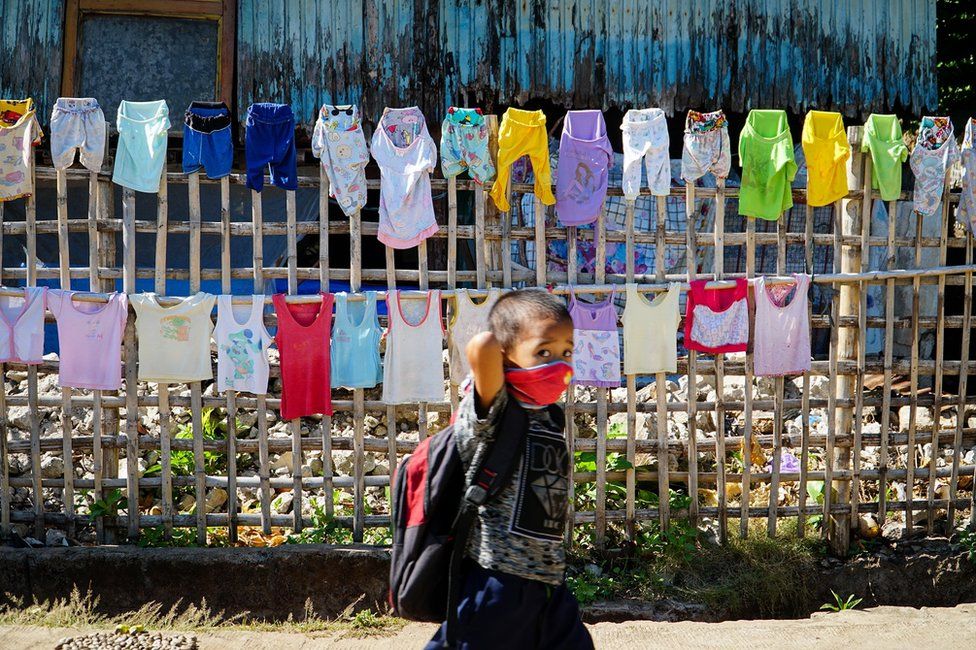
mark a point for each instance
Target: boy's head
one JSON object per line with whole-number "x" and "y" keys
{"x": 533, "y": 327}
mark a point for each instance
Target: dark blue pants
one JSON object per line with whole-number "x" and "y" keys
{"x": 270, "y": 141}
{"x": 498, "y": 610}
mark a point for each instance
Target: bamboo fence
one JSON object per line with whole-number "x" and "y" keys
{"x": 697, "y": 463}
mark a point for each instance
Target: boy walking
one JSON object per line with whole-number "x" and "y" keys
{"x": 513, "y": 594}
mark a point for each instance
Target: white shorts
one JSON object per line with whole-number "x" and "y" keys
{"x": 77, "y": 124}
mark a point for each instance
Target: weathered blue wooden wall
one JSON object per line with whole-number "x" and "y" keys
{"x": 856, "y": 56}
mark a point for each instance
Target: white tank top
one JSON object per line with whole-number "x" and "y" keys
{"x": 470, "y": 318}
{"x": 242, "y": 346}
{"x": 414, "y": 368}
{"x": 651, "y": 331}
{"x": 22, "y": 334}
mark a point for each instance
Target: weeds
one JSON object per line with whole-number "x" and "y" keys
{"x": 841, "y": 604}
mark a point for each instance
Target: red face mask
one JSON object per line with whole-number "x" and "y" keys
{"x": 539, "y": 385}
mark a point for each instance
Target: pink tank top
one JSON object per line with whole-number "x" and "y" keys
{"x": 782, "y": 333}
{"x": 717, "y": 320}
{"x": 596, "y": 349}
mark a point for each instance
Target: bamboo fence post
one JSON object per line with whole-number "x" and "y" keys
{"x": 747, "y": 440}
{"x": 391, "y": 422}
{"x": 570, "y": 404}
{"x": 107, "y": 462}
{"x": 631, "y": 474}
{"x": 230, "y": 395}
{"x": 967, "y": 311}
{"x": 506, "y": 250}
{"x": 131, "y": 356}
{"x": 166, "y": 423}
{"x": 779, "y": 385}
{"x": 325, "y": 271}
{"x": 295, "y": 425}
{"x": 5, "y": 526}
{"x": 196, "y": 394}
{"x": 602, "y": 417}
{"x": 935, "y": 442}
{"x": 913, "y": 374}
{"x": 862, "y": 315}
{"x": 264, "y": 471}
{"x": 718, "y": 263}
{"x": 30, "y": 229}
{"x": 660, "y": 378}
{"x": 805, "y": 406}
{"x": 480, "y": 242}
{"x": 889, "y": 338}
{"x": 691, "y": 259}
{"x": 452, "y": 219}
{"x": 64, "y": 268}
{"x": 93, "y": 285}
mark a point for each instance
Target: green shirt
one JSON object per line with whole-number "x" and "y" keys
{"x": 882, "y": 138}
{"x": 768, "y": 166}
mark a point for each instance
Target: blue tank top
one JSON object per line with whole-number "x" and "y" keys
{"x": 355, "y": 350}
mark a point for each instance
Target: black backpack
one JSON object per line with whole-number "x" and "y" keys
{"x": 434, "y": 505}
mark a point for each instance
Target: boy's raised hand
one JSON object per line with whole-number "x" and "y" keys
{"x": 486, "y": 357}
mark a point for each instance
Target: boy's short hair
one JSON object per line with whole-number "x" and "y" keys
{"x": 514, "y": 309}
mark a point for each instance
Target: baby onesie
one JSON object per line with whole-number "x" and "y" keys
{"x": 22, "y": 331}
{"x": 356, "y": 343}
{"x": 339, "y": 143}
{"x": 706, "y": 146}
{"x": 464, "y": 145}
{"x": 882, "y": 139}
{"x": 646, "y": 139}
{"x": 717, "y": 320}
{"x": 19, "y": 134}
{"x": 966, "y": 214}
{"x": 585, "y": 157}
{"x": 406, "y": 155}
{"x": 827, "y": 151}
{"x": 768, "y": 166}
{"x": 174, "y": 342}
{"x": 242, "y": 346}
{"x": 269, "y": 142}
{"x": 413, "y": 370}
{"x": 523, "y": 133}
{"x": 651, "y": 331}
{"x": 470, "y": 318}
{"x": 596, "y": 352}
{"x": 782, "y": 334}
{"x": 77, "y": 125}
{"x": 90, "y": 340}
{"x": 934, "y": 154}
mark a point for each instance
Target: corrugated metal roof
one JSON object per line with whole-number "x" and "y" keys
{"x": 856, "y": 56}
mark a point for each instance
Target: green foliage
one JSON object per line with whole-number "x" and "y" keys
{"x": 109, "y": 506}
{"x": 841, "y": 604}
{"x": 327, "y": 530}
{"x": 967, "y": 540}
{"x": 365, "y": 619}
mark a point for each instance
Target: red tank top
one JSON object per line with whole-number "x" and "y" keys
{"x": 303, "y": 345}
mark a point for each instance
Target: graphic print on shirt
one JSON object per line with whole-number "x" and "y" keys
{"x": 175, "y": 328}
{"x": 542, "y": 485}
{"x": 93, "y": 329}
{"x": 584, "y": 184}
{"x": 239, "y": 345}
{"x": 595, "y": 355}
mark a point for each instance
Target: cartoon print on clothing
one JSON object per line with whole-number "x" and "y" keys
{"x": 464, "y": 145}
{"x": 239, "y": 347}
{"x": 175, "y": 328}
{"x": 706, "y": 146}
{"x": 338, "y": 141}
{"x": 934, "y": 153}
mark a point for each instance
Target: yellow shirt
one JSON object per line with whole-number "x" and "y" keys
{"x": 19, "y": 134}
{"x": 174, "y": 341}
{"x": 827, "y": 150}
{"x": 523, "y": 133}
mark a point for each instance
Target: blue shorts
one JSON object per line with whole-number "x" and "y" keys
{"x": 207, "y": 140}
{"x": 499, "y": 610}
{"x": 270, "y": 141}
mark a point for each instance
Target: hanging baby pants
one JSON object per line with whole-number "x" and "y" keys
{"x": 523, "y": 133}
{"x": 269, "y": 141}
{"x": 77, "y": 124}
{"x": 706, "y": 146}
{"x": 646, "y": 139}
{"x": 464, "y": 145}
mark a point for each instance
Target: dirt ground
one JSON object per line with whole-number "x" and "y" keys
{"x": 881, "y": 627}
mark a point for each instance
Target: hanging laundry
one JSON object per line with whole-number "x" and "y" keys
{"x": 90, "y": 340}
{"x": 19, "y": 134}
{"x": 464, "y": 145}
{"x": 966, "y": 213}
{"x": 269, "y": 143}
{"x": 717, "y": 320}
{"x": 650, "y": 331}
{"x": 413, "y": 370}
{"x": 469, "y": 318}
{"x": 706, "y": 146}
{"x": 523, "y": 133}
{"x": 207, "y": 140}
{"x": 782, "y": 330}
{"x": 356, "y": 343}
{"x": 645, "y": 133}
{"x": 934, "y": 154}
{"x": 338, "y": 142}
{"x": 585, "y": 157}
{"x": 174, "y": 342}
{"x": 768, "y": 167}
{"x": 242, "y": 346}
{"x": 303, "y": 345}
{"x": 883, "y": 140}
{"x": 77, "y": 125}
{"x": 596, "y": 350}
{"x": 141, "y": 152}
{"x": 22, "y": 335}
{"x": 406, "y": 155}
{"x": 827, "y": 151}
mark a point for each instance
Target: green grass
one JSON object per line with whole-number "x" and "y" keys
{"x": 80, "y": 610}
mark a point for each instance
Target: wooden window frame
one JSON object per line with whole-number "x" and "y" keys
{"x": 224, "y": 12}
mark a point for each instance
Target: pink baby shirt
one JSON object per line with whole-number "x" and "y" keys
{"x": 90, "y": 339}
